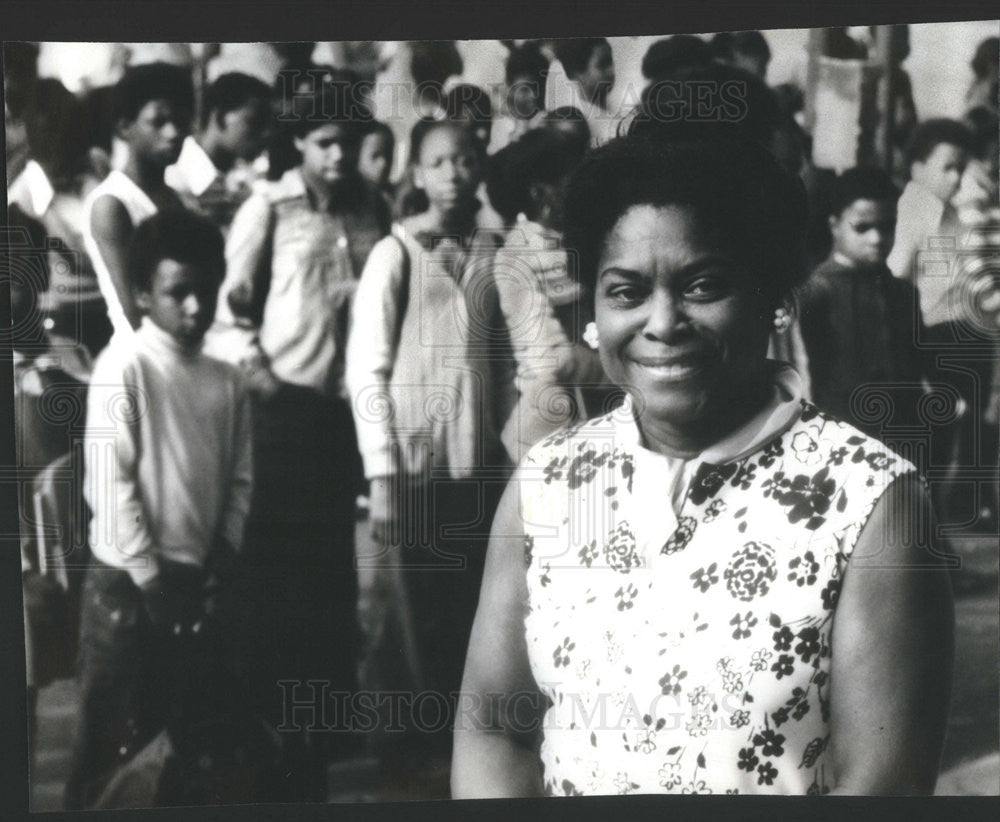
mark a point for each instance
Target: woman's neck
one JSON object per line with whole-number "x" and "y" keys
{"x": 688, "y": 440}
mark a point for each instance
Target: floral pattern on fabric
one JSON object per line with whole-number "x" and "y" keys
{"x": 694, "y": 658}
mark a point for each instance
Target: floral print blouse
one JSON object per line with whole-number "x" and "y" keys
{"x": 690, "y": 652}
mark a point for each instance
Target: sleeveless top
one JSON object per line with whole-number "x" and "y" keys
{"x": 138, "y": 205}
{"x": 691, "y": 653}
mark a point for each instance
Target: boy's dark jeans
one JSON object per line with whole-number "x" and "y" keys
{"x": 122, "y": 679}
{"x": 135, "y": 678}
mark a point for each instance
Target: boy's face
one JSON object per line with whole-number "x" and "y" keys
{"x": 864, "y": 231}
{"x": 247, "y": 129}
{"x": 941, "y": 172}
{"x": 181, "y": 299}
{"x": 599, "y": 76}
{"x": 448, "y": 169}
{"x": 157, "y": 133}
{"x": 375, "y": 159}
{"x": 329, "y": 153}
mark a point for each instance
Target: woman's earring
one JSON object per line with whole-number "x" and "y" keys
{"x": 782, "y": 320}
{"x": 590, "y": 335}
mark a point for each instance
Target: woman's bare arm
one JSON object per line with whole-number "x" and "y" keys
{"x": 500, "y": 707}
{"x": 892, "y": 644}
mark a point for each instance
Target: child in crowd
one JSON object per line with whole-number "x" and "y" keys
{"x": 375, "y": 158}
{"x": 590, "y": 68}
{"x": 545, "y": 308}
{"x": 570, "y": 122}
{"x": 859, "y": 323}
{"x": 667, "y": 57}
{"x": 428, "y": 336}
{"x": 235, "y": 126}
{"x": 747, "y": 50}
{"x": 153, "y": 105}
{"x": 168, "y": 479}
{"x": 294, "y": 254}
{"x": 930, "y": 252}
{"x": 471, "y": 106}
{"x": 52, "y": 189}
{"x": 525, "y": 74}
{"x": 936, "y": 157}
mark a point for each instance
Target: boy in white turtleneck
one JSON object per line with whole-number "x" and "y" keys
{"x": 168, "y": 478}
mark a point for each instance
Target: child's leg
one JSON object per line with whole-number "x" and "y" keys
{"x": 109, "y": 730}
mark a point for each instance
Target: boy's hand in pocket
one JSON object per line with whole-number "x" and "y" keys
{"x": 175, "y": 597}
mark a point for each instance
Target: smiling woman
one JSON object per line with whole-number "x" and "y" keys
{"x": 664, "y": 582}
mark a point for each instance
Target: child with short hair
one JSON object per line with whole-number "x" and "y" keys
{"x": 235, "y": 127}
{"x": 471, "y": 106}
{"x": 859, "y": 323}
{"x": 168, "y": 478}
{"x": 427, "y": 335}
{"x": 153, "y": 105}
{"x": 52, "y": 189}
{"x": 375, "y": 157}
{"x": 937, "y": 154}
{"x": 569, "y": 121}
{"x": 559, "y": 376}
{"x": 295, "y": 251}
{"x": 525, "y": 74}
{"x": 590, "y": 68}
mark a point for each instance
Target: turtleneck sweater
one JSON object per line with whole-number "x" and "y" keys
{"x": 167, "y": 453}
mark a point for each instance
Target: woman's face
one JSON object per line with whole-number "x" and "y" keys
{"x": 682, "y": 326}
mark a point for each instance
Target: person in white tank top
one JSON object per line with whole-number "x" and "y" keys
{"x": 153, "y": 105}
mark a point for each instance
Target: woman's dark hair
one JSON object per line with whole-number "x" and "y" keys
{"x": 862, "y": 183}
{"x": 931, "y": 133}
{"x": 230, "y": 92}
{"x": 736, "y": 189}
{"x": 738, "y": 104}
{"x": 152, "y": 81}
{"x": 575, "y": 52}
{"x": 666, "y": 57}
{"x": 179, "y": 235}
{"x": 527, "y": 63}
{"x": 540, "y": 156}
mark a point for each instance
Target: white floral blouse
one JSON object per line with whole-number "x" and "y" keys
{"x": 690, "y": 653}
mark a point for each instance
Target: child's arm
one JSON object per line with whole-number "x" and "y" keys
{"x": 248, "y": 259}
{"x": 112, "y": 229}
{"x": 231, "y": 530}
{"x": 369, "y": 360}
{"x": 541, "y": 352}
{"x": 120, "y": 533}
